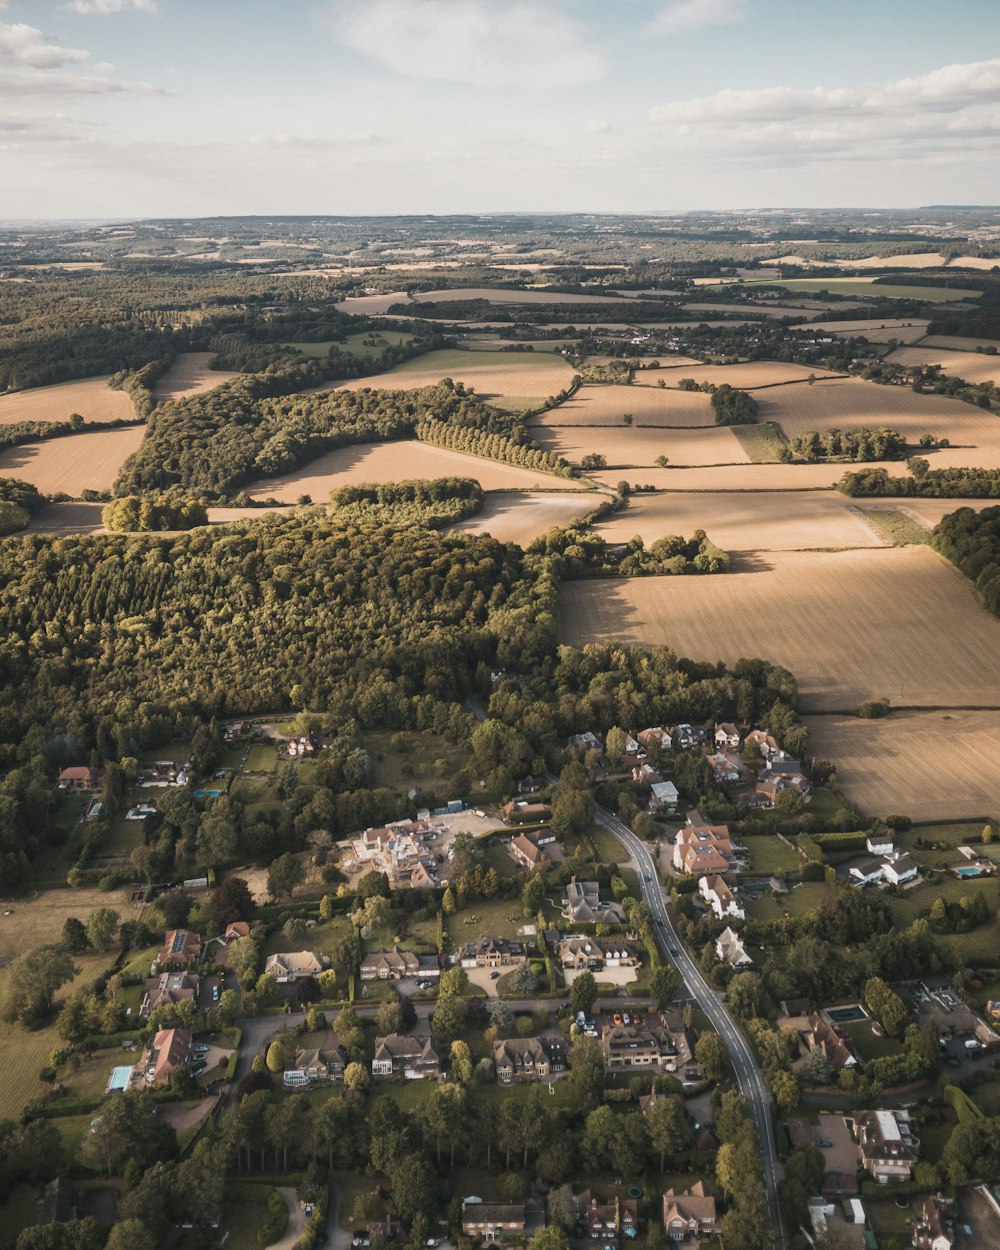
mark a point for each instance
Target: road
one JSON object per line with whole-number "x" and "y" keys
{"x": 748, "y": 1075}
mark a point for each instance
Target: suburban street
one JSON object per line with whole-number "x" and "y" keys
{"x": 748, "y": 1075}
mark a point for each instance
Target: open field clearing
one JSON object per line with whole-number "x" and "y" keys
{"x": 847, "y": 403}
{"x": 81, "y": 517}
{"x": 360, "y": 344}
{"x": 190, "y": 374}
{"x": 897, "y": 623}
{"x": 92, "y": 398}
{"x": 740, "y": 477}
{"x": 371, "y": 305}
{"x": 754, "y": 374}
{"x": 745, "y": 521}
{"x": 972, "y": 366}
{"x": 36, "y": 921}
{"x": 649, "y": 405}
{"x": 766, "y": 310}
{"x": 897, "y": 764}
{"x": 489, "y": 373}
{"x": 928, "y": 512}
{"x": 958, "y": 343}
{"x": 397, "y": 462}
{"x": 520, "y": 517}
{"x": 909, "y": 260}
{"x": 74, "y": 463}
{"x": 497, "y": 295}
{"x": 640, "y": 445}
{"x": 879, "y": 331}
{"x": 867, "y": 287}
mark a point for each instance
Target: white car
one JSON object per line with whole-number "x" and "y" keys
{"x": 972, "y": 1044}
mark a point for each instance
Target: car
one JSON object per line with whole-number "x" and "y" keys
{"x": 494, "y": 976}
{"x": 215, "y": 993}
{"x": 646, "y": 877}
{"x": 626, "y": 1018}
{"x": 198, "y": 1068}
{"x": 877, "y": 1029}
{"x": 824, "y": 1143}
{"x": 972, "y": 1044}
{"x": 202, "y": 1049}
{"x": 424, "y": 985}
{"x": 674, "y": 950}
{"x": 616, "y": 1018}
{"x": 431, "y": 1242}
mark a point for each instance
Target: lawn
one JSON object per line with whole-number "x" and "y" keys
{"x": 865, "y": 1042}
{"x": 797, "y": 902}
{"x": 410, "y": 760}
{"x": 16, "y": 1214}
{"x": 497, "y": 918}
{"x": 768, "y": 854}
{"x": 262, "y": 758}
{"x": 239, "y": 1224}
{"x": 358, "y": 344}
{"x": 609, "y": 849}
{"x": 762, "y": 443}
{"x": 73, "y": 1129}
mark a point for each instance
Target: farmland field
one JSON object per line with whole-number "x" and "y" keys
{"x": 877, "y": 331}
{"x": 928, "y": 512}
{"x": 190, "y": 374}
{"x": 849, "y": 402}
{"x": 92, "y": 398}
{"x": 866, "y": 287}
{"x": 928, "y": 765}
{"x": 765, "y": 309}
{"x": 649, "y": 405}
{"x": 73, "y": 463}
{"x": 521, "y": 517}
{"x": 490, "y": 373}
{"x": 749, "y": 376}
{"x": 396, "y": 462}
{"x": 81, "y": 517}
{"x": 745, "y": 520}
{"x": 373, "y": 305}
{"x": 957, "y": 343}
{"x": 842, "y": 622}
{"x": 641, "y": 445}
{"x": 742, "y": 477}
{"x": 971, "y": 366}
{"x": 359, "y": 344}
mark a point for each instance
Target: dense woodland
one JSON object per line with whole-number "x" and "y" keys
{"x": 859, "y": 445}
{"x": 436, "y": 503}
{"x": 971, "y": 541}
{"x": 924, "y": 481}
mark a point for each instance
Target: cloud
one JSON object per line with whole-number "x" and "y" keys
{"x": 595, "y": 127}
{"x": 945, "y": 90}
{"x": 110, "y": 6}
{"x": 26, "y": 45}
{"x": 684, "y": 15}
{"x": 23, "y": 130}
{"x": 23, "y": 83}
{"x": 336, "y": 139}
{"x": 481, "y": 43}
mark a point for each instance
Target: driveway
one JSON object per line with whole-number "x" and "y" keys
{"x": 296, "y": 1220}
{"x": 609, "y": 976}
{"x": 480, "y": 977}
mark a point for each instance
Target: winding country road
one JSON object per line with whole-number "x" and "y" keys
{"x": 748, "y": 1075}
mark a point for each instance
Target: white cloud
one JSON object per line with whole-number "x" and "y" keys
{"x": 684, "y": 15}
{"x": 26, "y": 45}
{"x": 949, "y": 89}
{"x": 24, "y": 83}
{"x": 110, "y": 6}
{"x": 482, "y": 43}
{"x": 282, "y": 139}
{"x": 595, "y": 127}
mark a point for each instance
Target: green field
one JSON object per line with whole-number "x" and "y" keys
{"x": 896, "y": 527}
{"x": 884, "y": 290}
{"x": 494, "y": 918}
{"x": 448, "y": 360}
{"x": 762, "y": 443}
{"x": 358, "y": 344}
{"x": 410, "y": 760}
{"x": 262, "y": 758}
{"x": 769, "y": 854}
{"x": 609, "y": 849}
{"x": 797, "y": 902}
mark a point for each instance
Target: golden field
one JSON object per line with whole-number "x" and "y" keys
{"x": 190, "y": 373}
{"x": 92, "y": 398}
{"x": 753, "y": 374}
{"x": 970, "y": 366}
{"x": 641, "y": 445}
{"x": 74, "y": 463}
{"x": 649, "y": 405}
{"x": 877, "y": 331}
{"x": 489, "y": 373}
{"x": 897, "y": 623}
{"x": 521, "y": 517}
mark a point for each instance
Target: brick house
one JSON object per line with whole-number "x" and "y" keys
{"x": 180, "y": 948}
{"x": 413, "y": 1057}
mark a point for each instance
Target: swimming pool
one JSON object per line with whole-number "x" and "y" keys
{"x": 845, "y": 1015}
{"x": 207, "y": 794}
{"x": 968, "y": 870}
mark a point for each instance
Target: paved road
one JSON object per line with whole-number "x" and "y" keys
{"x": 296, "y": 1220}
{"x": 748, "y": 1074}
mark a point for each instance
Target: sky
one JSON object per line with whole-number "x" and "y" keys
{"x": 162, "y": 108}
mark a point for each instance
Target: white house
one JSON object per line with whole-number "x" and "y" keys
{"x": 868, "y": 871}
{"x": 729, "y": 948}
{"x": 727, "y": 737}
{"x": 881, "y": 843}
{"x": 663, "y": 796}
{"x": 898, "y": 868}
{"x": 720, "y": 897}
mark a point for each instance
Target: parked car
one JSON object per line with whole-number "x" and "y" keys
{"x": 494, "y": 976}
{"x": 202, "y": 1049}
{"x": 424, "y": 985}
{"x": 972, "y": 1044}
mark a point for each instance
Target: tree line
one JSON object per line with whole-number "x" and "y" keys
{"x": 433, "y": 503}
{"x": 859, "y": 445}
{"x": 971, "y": 541}
{"x": 972, "y": 483}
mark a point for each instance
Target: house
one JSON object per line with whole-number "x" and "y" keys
{"x": 766, "y": 791}
{"x": 303, "y": 747}
{"x": 886, "y": 1144}
{"x": 689, "y": 737}
{"x": 867, "y": 871}
{"x": 727, "y": 737}
{"x": 521, "y": 812}
{"x": 691, "y": 1213}
{"x": 423, "y": 877}
{"x": 309, "y": 1066}
{"x": 236, "y": 929}
{"x": 607, "y": 1221}
{"x": 645, "y": 775}
{"x": 899, "y": 868}
{"x": 645, "y": 1042}
{"x": 581, "y": 952}
{"x": 527, "y": 853}
{"x": 180, "y": 948}
{"x": 582, "y": 743}
{"x": 731, "y": 950}
{"x": 169, "y": 1050}
{"x": 823, "y": 1036}
{"x": 582, "y": 905}
{"x": 663, "y": 797}
{"x": 766, "y": 743}
{"x": 168, "y": 989}
{"x": 493, "y": 1220}
{"x": 521, "y": 1058}
{"x": 721, "y": 897}
{"x": 729, "y": 770}
{"x": 701, "y": 848}
{"x": 656, "y": 734}
{"x": 881, "y": 843}
{"x": 56, "y": 1205}
{"x": 415, "y": 1057}
{"x": 929, "y": 1228}
{"x": 88, "y": 779}
{"x": 294, "y": 965}
{"x": 389, "y": 965}
{"x": 491, "y": 953}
